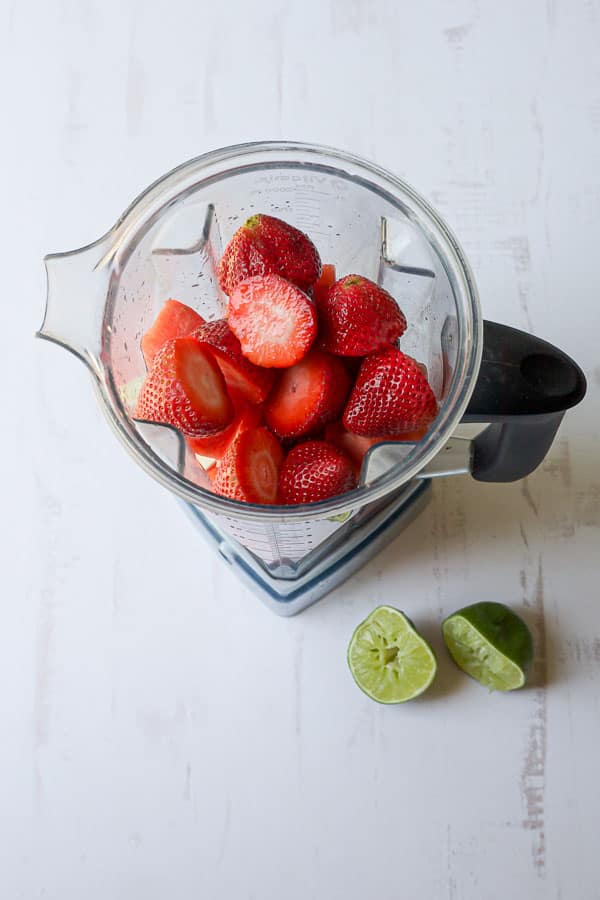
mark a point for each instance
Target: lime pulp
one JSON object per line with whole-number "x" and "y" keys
{"x": 491, "y": 643}
{"x": 389, "y": 659}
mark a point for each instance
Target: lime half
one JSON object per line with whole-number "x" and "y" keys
{"x": 388, "y": 659}
{"x": 491, "y": 643}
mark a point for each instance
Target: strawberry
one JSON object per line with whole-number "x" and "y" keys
{"x": 357, "y": 317}
{"x": 249, "y": 470}
{"x": 326, "y": 279}
{"x": 245, "y": 381}
{"x": 216, "y": 445}
{"x": 274, "y": 321}
{"x": 174, "y": 320}
{"x": 314, "y": 470}
{"x": 355, "y": 446}
{"x": 307, "y": 396}
{"x": 185, "y": 388}
{"x": 265, "y": 245}
{"x": 391, "y": 396}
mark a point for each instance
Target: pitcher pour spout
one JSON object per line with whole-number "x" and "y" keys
{"x": 77, "y": 286}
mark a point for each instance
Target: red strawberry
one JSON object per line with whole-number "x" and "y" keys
{"x": 244, "y": 380}
{"x": 174, "y": 320}
{"x": 391, "y": 396}
{"x": 327, "y": 278}
{"x": 356, "y": 446}
{"x": 274, "y": 321}
{"x": 185, "y": 388}
{"x": 216, "y": 445}
{"x": 250, "y": 469}
{"x": 267, "y": 246}
{"x": 307, "y": 395}
{"x": 315, "y": 470}
{"x": 357, "y": 317}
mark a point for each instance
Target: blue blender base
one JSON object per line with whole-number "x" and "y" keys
{"x": 289, "y": 596}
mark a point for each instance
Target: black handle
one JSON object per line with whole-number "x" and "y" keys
{"x": 523, "y": 389}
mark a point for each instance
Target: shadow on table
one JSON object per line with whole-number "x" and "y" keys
{"x": 466, "y": 516}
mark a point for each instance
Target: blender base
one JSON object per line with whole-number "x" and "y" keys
{"x": 287, "y": 597}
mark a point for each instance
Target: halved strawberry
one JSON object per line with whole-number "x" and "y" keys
{"x": 216, "y": 445}
{"x": 274, "y": 321}
{"x": 391, "y": 396}
{"x": 356, "y": 445}
{"x": 185, "y": 388}
{"x": 250, "y": 469}
{"x": 313, "y": 471}
{"x": 358, "y": 317}
{"x": 265, "y": 245}
{"x": 174, "y": 320}
{"x": 307, "y": 396}
{"x": 326, "y": 279}
{"x": 245, "y": 381}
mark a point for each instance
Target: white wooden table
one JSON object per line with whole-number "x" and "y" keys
{"x": 164, "y": 736}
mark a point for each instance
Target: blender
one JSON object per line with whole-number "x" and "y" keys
{"x": 103, "y": 297}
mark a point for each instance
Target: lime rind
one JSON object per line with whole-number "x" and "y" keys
{"x": 497, "y": 658}
{"x": 388, "y": 658}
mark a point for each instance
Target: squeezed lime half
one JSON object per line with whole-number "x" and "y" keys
{"x": 491, "y": 643}
{"x": 389, "y": 659}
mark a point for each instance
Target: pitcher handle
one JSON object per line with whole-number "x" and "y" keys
{"x": 78, "y": 283}
{"x": 524, "y": 387}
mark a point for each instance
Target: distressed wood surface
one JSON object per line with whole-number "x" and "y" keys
{"x": 163, "y": 734}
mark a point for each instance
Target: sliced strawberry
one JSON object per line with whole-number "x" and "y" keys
{"x": 245, "y": 381}
{"x": 356, "y": 445}
{"x": 265, "y": 245}
{"x": 307, "y": 396}
{"x": 185, "y": 388}
{"x": 391, "y": 396}
{"x": 174, "y": 320}
{"x": 326, "y": 280}
{"x": 357, "y": 317}
{"x": 313, "y": 471}
{"x": 274, "y": 321}
{"x": 216, "y": 445}
{"x": 353, "y": 445}
{"x": 249, "y": 470}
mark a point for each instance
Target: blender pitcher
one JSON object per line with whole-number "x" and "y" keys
{"x": 103, "y": 297}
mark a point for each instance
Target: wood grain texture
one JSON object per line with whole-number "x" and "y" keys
{"x": 164, "y": 735}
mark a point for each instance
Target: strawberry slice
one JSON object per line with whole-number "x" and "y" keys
{"x": 245, "y": 381}
{"x": 265, "y": 245}
{"x": 391, "y": 396}
{"x": 358, "y": 317}
{"x": 185, "y": 388}
{"x": 356, "y": 446}
{"x": 216, "y": 445}
{"x": 274, "y": 321}
{"x": 174, "y": 320}
{"x": 326, "y": 280}
{"x": 249, "y": 470}
{"x": 307, "y": 396}
{"x": 313, "y": 471}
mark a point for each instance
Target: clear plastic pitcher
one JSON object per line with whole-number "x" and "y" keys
{"x": 103, "y": 297}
